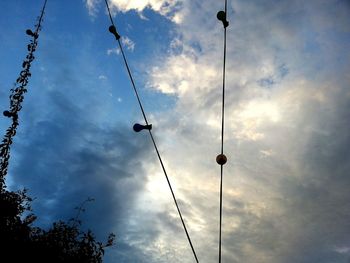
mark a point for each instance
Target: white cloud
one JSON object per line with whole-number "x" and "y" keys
{"x": 115, "y": 51}
{"x": 126, "y": 42}
{"x": 167, "y": 8}
{"x": 343, "y": 250}
{"x": 102, "y": 77}
{"x": 278, "y": 105}
{"x": 92, "y": 6}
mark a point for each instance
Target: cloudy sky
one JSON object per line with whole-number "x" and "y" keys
{"x": 286, "y": 183}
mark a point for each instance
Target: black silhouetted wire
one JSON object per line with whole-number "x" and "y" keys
{"x": 17, "y": 97}
{"x": 221, "y": 159}
{"x": 113, "y": 30}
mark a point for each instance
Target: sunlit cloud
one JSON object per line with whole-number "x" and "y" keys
{"x": 274, "y": 111}
{"x": 167, "y": 8}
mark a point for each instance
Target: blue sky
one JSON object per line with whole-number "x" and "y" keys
{"x": 286, "y": 196}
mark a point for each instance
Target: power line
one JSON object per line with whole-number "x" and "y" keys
{"x": 221, "y": 159}
{"x": 113, "y": 30}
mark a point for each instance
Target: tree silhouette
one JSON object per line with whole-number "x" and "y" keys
{"x": 62, "y": 242}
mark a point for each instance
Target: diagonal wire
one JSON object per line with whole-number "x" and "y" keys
{"x": 152, "y": 138}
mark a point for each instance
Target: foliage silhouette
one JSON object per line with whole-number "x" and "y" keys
{"x": 17, "y": 97}
{"x": 62, "y": 242}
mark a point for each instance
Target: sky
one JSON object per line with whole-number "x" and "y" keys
{"x": 286, "y": 183}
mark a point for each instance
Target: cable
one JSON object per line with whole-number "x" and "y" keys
{"x": 175, "y": 201}
{"x": 221, "y": 159}
{"x": 221, "y": 179}
{"x": 113, "y": 30}
{"x": 223, "y": 89}
{"x": 17, "y": 97}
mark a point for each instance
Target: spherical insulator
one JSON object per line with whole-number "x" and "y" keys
{"x": 221, "y": 159}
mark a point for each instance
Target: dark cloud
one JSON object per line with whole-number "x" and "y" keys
{"x": 64, "y": 159}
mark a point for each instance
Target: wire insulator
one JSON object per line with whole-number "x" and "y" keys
{"x": 221, "y": 159}
{"x": 113, "y": 30}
